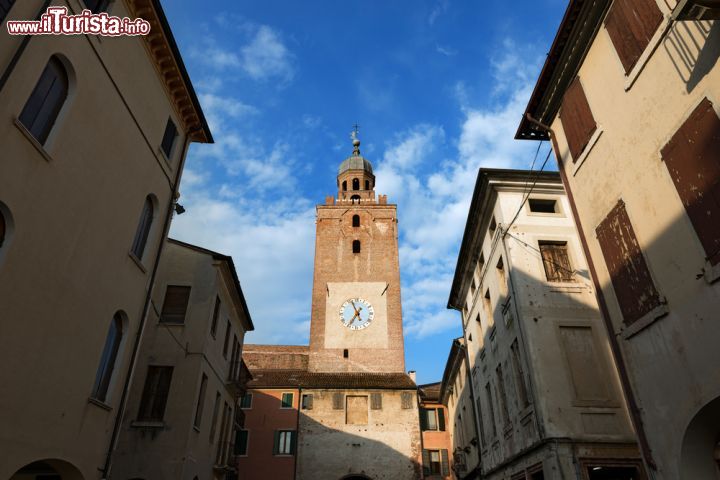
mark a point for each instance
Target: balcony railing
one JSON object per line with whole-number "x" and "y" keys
{"x": 237, "y": 379}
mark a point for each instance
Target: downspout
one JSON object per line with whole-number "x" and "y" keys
{"x": 145, "y": 311}
{"x": 297, "y": 432}
{"x": 472, "y": 399}
{"x": 605, "y": 314}
{"x": 18, "y": 53}
{"x": 422, "y": 442}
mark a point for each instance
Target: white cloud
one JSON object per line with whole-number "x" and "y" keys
{"x": 440, "y": 8}
{"x": 447, "y": 51}
{"x": 266, "y": 56}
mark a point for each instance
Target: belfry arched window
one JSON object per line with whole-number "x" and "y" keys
{"x": 47, "y": 98}
{"x": 367, "y": 184}
{"x": 356, "y": 221}
{"x": 356, "y": 184}
{"x": 344, "y": 186}
{"x": 356, "y": 246}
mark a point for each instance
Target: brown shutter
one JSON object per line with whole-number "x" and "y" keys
{"x": 692, "y": 157}
{"x": 337, "y": 401}
{"x": 631, "y": 24}
{"x": 175, "y": 304}
{"x": 577, "y": 118}
{"x": 406, "y": 400}
{"x": 631, "y": 280}
{"x": 376, "y": 401}
{"x": 556, "y": 261}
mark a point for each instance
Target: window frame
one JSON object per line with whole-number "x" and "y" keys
{"x": 143, "y": 230}
{"x": 37, "y": 102}
{"x": 174, "y": 318}
{"x": 4, "y": 15}
{"x": 108, "y": 360}
{"x": 568, "y": 274}
{"x": 169, "y": 150}
{"x": 148, "y": 399}
{"x": 283, "y": 404}
{"x": 242, "y": 401}
{"x": 197, "y": 420}
{"x": 237, "y": 443}
{"x": 306, "y": 405}
{"x": 574, "y": 105}
{"x": 290, "y": 443}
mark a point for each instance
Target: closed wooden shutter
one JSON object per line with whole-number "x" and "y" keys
{"x": 406, "y": 399}
{"x": 631, "y": 24}
{"x": 155, "y": 393}
{"x": 376, "y": 401}
{"x": 692, "y": 156}
{"x": 629, "y": 274}
{"x": 445, "y": 463}
{"x": 276, "y": 442}
{"x": 587, "y": 370}
{"x": 338, "y": 400}
{"x": 577, "y": 118}
{"x": 556, "y": 261}
{"x": 423, "y": 419}
{"x": 356, "y": 410}
{"x": 426, "y": 461}
{"x": 175, "y": 304}
{"x": 441, "y": 419}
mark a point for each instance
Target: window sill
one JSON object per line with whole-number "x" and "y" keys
{"x": 639, "y": 66}
{"x": 147, "y": 424}
{"x": 712, "y": 272}
{"x": 137, "y": 262}
{"x": 34, "y": 141}
{"x": 588, "y": 148}
{"x": 165, "y": 157}
{"x": 645, "y": 321}
{"x": 99, "y": 403}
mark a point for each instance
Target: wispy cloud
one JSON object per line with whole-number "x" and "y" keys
{"x": 440, "y": 7}
{"x": 267, "y": 57}
{"x": 447, "y": 51}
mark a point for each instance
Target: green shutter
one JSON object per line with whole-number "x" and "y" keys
{"x": 426, "y": 462}
{"x": 441, "y": 419}
{"x": 276, "y": 442}
{"x": 444, "y": 465}
{"x": 293, "y": 441}
{"x": 423, "y": 419}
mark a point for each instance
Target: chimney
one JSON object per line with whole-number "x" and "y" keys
{"x": 411, "y": 373}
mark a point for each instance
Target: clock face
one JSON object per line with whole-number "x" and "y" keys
{"x": 356, "y": 313}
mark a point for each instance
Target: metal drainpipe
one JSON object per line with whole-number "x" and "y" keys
{"x": 145, "y": 312}
{"x": 297, "y": 432}
{"x": 18, "y": 53}
{"x": 472, "y": 398}
{"x": 633, "y": 408}
{"x": 521, "y": 333}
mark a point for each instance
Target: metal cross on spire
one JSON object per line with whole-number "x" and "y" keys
{"x": 355, "y": 139}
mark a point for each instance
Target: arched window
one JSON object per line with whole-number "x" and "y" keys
{"x": 356, "y": 246}
{"x": 143, "y": 229}
{"x": 356, "y": 184}
{"x": 367, "y": 184}
{"x": 345, "y": 186}
{"x": 46, "y": 100}
{"x": 355, "y": 199}
{"x": 107, "y": 360}
{"x": 356, "y": 220}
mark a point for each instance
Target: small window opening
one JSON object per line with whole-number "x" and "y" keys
{"x": 356, "y": 246}
{"x": 356, "y": 221}
{"x": 367, "y": 184}
{"x": 346, "y": 354}
{"x": 541, "y": 205}
{"x": 493, "y": 224}
{"x": 355, "y": 199}
{"x": 473, "y": 287}
{"x": 486, "y": 301}
{"x": 344, "y": 186}
{"x": 356, "y": 184}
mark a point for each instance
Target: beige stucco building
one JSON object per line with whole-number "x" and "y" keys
{"x": 182, "y": 417}
{"x": 544, "y": 394}
{"x": 94, "y": 138}
{"x": 630, "y": 99}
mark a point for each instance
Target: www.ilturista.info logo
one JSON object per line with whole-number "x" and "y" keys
{"x": 56, "y": 21}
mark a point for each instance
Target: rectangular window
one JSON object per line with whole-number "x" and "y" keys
{"x": 216, "y": 411}
{"x": 432, "y": 419}
{"x": 577, "y": 119}
{"x": 307, "y": 401}
{"x": 542, "y": 205}
{"x": 155, "y": 393}
{"x": 523, "y": 398}
{"x": 376, "y": 401}
{"x": 338, "y": 400}
{"x": 502, "y": 280}
{"x": 221, "y": 438}
{"x": 502, "y": 395}
{"x": 227, "y": 339}
{"x": 406, "y": 400}
{"x": 629, "y": 274}
{"x": 691, "y": 156}
{"x": 473, "y": 287}
{"x": 482, "y": 423}
{"x": 356, "y": 412}
{"x": 216, "y": 314}
{"x": 556, "y": 261}
{"x": 46, "y": 100}
{"x": 201, "y": 401}
{"x": 287, "y": 400}
{"x": 487, "y": 304}
{"x": 435, "y": 462}
{"x": 241, "y": 442}
{"x": 5, "y": 6}
{"x": 488, "y": 396}
{"x": 631, "y": 25}
{"x": 169, "y": 138}
{"x": 175, "y": 305}
{"x": 284, "y": 442}
{"x": 587, "y": 372}
{"x": 246, "y": 400}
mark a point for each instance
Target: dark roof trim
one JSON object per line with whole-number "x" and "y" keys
{"x": 578, "y": 28}
{"x": 455, "y": 357}
{"x": 231, "y": 265}
{"x": 183, "y": 71}
{"x": 472, "y": 239}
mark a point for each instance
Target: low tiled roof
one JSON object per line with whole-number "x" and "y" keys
{"x": 304, "y": 379}
{"x": 430, "y": 392}
{"x": 255, "y": 347}
{"x": 276, "y": 357}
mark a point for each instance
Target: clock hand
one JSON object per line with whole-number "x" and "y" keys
{"x": 355, "y": 308}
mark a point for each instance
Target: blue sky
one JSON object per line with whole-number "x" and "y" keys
{"x": 438, "y": 88}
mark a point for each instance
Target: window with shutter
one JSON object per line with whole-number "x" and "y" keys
{"x": 356, "y": 411}
{"x": 441, "y": 419}
{"x": 241, "y": 442}
{"x": 523, "y": 398}
{"x": 246, "y": 400}
{"x": 175, "y": 304}
{"x": 5, "y": 6}
{"x": 488, "y": 397}
{"x": 284, "y": 442}
{"x": 426, "y": 462}
{"x": 307, "y": 401}
{"x": 169, "y": 138}
{"x": 338, "y": 401}
{"x": 502, "y": 395}
{"x": 227, "y": 339}
{"x": 576, "y": 118}
{"x": 376, "y": 401}
{"x": 445, "y": 463}
{"x": 201, "y": 401}
{"x": 216, "y": 411}
{"x": 108, "y": 358}
{"x": 634, "y": 288}
{"x": 692, "y": 157}
{"x": 287, "y": 400}
{"x": 155, "y": 393}
{"x": 143, "y": 230}
{"x": 46, "y": 100}
{"x": 556, "y": 261}
{"x": 631, "y": 25}
{"x": 216, "y": 315}
{"x": 406, "y": 400}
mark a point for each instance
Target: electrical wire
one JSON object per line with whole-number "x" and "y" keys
{"x": 526, "y": 196}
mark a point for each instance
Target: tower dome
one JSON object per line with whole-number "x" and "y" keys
{"x": 355, "y": 161}
{"x": 355, "y": 179}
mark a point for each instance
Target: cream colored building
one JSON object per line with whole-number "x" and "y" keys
{"x": 182, "y": 417}
{"x": 630, "y": 98}
{"x": 86, "y": 196}
{"x": 546, "y": 394}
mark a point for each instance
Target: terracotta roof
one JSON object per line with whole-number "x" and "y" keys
{"x": 254, "y": 347}
{"x": 430, "y": 392}
{"x": 304, "y": 379}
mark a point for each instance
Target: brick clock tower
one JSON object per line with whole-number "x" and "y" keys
{"x": 356, "y": 318}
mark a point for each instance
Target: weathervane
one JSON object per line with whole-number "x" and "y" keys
{"x": 355, "y": 139}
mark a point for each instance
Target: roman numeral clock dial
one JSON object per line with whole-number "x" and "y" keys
{"x": 356, "y": 313}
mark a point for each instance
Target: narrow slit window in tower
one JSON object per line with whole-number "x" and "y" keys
{"x": 356, "y": 246}
{"x": 356, "y": 221}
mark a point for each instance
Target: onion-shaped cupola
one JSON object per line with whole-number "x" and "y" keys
{"x": 356, "y": 182}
